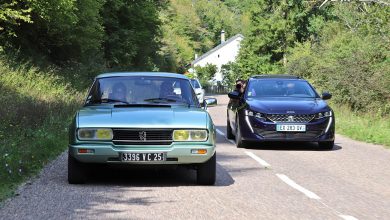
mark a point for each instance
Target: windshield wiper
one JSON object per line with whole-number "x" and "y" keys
{"x": 166, "y": 100}
{"x": 110, "y": 100}
{"x": 158, "y": 100}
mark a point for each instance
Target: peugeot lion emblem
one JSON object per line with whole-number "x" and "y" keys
{"x": 142, "y": 135}
{"x": 290, "y": 118}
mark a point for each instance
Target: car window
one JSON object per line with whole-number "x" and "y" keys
{"x": 280, "y": 88}
{"x": 141, "y": 90}
{"x": 195, "y": 83}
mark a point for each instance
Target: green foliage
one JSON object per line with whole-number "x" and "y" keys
{"x": 35, "y": 112}
{"x": 368, "y": 127}
{"x": 275, "y": 27}
{"x": 60, "y": 30}
{"x": 118, "y": 34}
{"x": 132, "y": 33}
{"x": 11, "y": 14}
{"x": 205, "y": 73}
{"x": 351, "y": 58}
{"x": 229, "y": 75}
{"x": 193, "y": 27}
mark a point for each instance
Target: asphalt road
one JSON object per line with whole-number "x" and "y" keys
{"x": 277, "y": 181}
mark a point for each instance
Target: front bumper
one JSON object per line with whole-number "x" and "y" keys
{"x": 252, "y": 129}
{"x": 179, "y": 153}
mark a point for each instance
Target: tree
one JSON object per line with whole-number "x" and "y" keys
{"x": 12, "y": 13}
{"x": 206, "y": 73}
{"x": 275, "y": 27}
{"x": 132, "y": 31}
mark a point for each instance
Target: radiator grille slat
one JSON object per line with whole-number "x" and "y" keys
{"x": 302, "y": 118}
{"x": 142, "y": 136}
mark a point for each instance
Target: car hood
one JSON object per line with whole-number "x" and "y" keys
{"x": 136, "y": 117}
{"x": 288, "y": 105}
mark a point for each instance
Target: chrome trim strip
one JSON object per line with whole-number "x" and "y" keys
{"x": 329, "y": 123}
{"x": 147, "y": 141}
{"x": 249, "y": 124}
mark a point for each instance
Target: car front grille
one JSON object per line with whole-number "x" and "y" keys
{"x": 304, "y": 118}
{"x": 142, "y": 136}
{"x": 288, "y": 135}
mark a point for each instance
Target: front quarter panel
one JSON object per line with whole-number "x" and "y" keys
{"x": 106, "y": 150}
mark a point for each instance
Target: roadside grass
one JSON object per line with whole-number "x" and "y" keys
{"x": 35, "y": 111}
{"x": 369, "y": 128}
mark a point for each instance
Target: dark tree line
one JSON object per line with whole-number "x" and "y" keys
{"x": 118, "y": 34}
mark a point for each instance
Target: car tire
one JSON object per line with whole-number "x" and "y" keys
{"x": 239, "y": 142}
{"x": 76, "y": 174}
{"x": 206, "y": 172}
{"x": 326, "y": 145}
{"x": 229, "y": 132}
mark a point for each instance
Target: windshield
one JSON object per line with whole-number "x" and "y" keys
{"x": 195, "y": 83}
{"x": 280, "y": 88}
{"x": 128, "y": 90}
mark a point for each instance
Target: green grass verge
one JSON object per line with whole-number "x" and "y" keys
{"x": 363, "y": 127}
{"x": 36, "y": 109}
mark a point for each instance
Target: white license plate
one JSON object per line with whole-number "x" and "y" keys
{"x": 129, "y": 157}
{"x": 293, "y": 128}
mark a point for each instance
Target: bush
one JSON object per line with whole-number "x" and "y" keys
{"x": 354, "y": 68}
{"x": 35, "y": 112}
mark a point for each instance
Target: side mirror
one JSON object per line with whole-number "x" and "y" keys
{"x": 326, "y": 96}
{"x": 211, "y": 102}
{"x": 234, "y": 95}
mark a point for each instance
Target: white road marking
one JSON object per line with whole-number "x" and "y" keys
{"x": 223, "y": 134}
{"x": 294, "y": 185}
{"x": 220, "y": 132}
{"x": 258, "y": 159}
{"x": 288, "y": 181}
{"x": 347, "y": 217}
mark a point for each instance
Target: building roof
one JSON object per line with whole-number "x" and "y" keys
{"x": 217, "y": 47}
{"x": 159, "y": 74}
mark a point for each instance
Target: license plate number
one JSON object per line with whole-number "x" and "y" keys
{"x": 129, "y": 157}
{"x": 292, "y": 128}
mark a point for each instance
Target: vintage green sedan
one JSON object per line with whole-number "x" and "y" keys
{"x": 147, "y": 118}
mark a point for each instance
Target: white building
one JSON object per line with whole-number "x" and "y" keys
{"x": 222, "y": 54}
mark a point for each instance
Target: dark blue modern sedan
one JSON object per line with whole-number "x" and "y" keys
{"x": 280, "y": 108}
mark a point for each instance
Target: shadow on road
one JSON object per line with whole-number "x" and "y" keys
{"x": 142, "y": 176}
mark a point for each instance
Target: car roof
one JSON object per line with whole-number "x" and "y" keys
{"x": 159, "y": 74}
{"x": 276, "y": 76}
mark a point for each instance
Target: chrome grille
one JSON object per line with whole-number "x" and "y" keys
{"x": 142, "y": 137}
{"x": 303, "y": 118}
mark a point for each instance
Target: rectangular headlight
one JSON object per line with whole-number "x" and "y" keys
{"x": 190, "y": 135}
{"x": 94, "y": 134}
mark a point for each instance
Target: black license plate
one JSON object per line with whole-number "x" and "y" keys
{"x": 129, "y": 157}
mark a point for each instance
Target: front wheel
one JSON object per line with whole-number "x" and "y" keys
{"x": 326, "y": 145}
{"x": 229, "y": 133}
{"x": 239, "y": 142}
{"x": 207, "y": 171}
{"x": 76, "y": 174}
